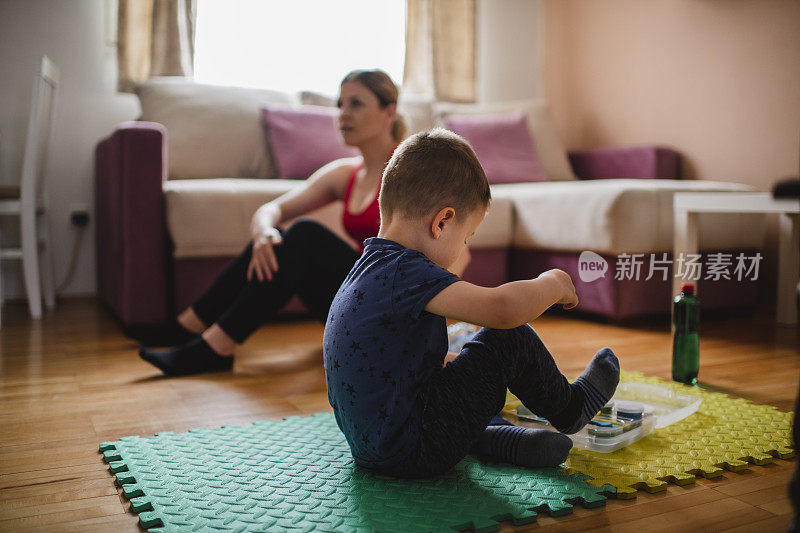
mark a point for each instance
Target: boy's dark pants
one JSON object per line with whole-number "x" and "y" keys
{"x": 312, "y": 263}
{"x": 468, "y": 392}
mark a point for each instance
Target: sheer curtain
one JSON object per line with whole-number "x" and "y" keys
{"x": 298, "y": 45}
{"x": 156, "y": 38}
{"x": 440, "y": 49}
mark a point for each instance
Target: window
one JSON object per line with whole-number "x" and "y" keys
{"x": 293, "y": 45}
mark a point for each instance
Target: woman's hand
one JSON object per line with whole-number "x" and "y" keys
{"x": 569, "y": 297}
{"x": 264, "y": 263}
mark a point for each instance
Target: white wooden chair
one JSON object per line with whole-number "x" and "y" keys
{"x": 29, "y": 200}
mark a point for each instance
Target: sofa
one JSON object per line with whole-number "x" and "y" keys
{"x": 175, "y": 191}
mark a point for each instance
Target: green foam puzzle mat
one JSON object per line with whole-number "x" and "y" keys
{"x": 725, "y": 433}
{"x": 298, "y": 474}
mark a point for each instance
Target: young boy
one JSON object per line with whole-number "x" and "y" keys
{"x": 385, "y": 338}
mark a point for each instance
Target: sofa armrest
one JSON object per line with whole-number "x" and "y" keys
{"x": 656, "y": 162}
{"x": 130, "y": 168}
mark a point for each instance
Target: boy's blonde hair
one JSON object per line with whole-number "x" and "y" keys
{"x": 432, "y": 170}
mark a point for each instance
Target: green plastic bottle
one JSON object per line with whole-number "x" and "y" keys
{"x": 685, "y": 345}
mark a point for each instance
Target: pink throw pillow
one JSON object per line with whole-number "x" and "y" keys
{"x": 303, "y": 138}
{"x": 503, "y": 144}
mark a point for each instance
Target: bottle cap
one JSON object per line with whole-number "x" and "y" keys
{"x": 687, "y": 288}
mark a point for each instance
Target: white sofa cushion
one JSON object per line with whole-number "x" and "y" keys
{"x": 211, "y": 218}
{"x": 551, "y": 151}
{"x": 619, "y": 215}
{"x": 212, "y": 131}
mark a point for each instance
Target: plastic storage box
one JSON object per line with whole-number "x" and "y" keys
{"x": 633, "y": 413}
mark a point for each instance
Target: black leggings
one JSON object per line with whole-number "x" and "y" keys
{"x": 464, "y": 397}
{"x": 312, "y": 263}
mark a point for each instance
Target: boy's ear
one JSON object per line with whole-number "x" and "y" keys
{"x": 444, "y": 217}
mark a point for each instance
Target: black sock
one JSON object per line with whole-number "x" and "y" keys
{"x": 590, "y": 392}
{"x": 170, "y": 334}
{"x": 535, "y": 448}
{"x": 194, "y": 357}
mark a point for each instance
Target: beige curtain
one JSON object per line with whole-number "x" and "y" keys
{"x": 156, "y": 38}
{"x": 440, "y": 49}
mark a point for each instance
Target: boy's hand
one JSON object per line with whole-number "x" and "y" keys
{"x": 264, "y": 262}
{"x": 569, "y": 297}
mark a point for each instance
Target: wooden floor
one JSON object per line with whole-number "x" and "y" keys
{"x": 72, "y": 381}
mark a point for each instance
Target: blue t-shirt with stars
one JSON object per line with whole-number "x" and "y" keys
{"x": 381, "y": 349}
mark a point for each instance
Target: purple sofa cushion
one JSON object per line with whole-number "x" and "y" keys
{"x": 302, "y": 139}
{"x": 655, "y": 162}
{"x": 503, "y": 144}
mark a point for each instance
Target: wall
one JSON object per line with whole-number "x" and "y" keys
{"x": 73, "y": 34}
{"x": 717, "y": 79}
{"x": 509, "y": 55}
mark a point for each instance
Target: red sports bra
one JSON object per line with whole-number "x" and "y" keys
{"x": 365, "y": 224}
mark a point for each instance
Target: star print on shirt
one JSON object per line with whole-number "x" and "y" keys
{"x": 384, "y": 374}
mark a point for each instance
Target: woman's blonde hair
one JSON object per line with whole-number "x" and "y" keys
{"x": 385, "y": 90}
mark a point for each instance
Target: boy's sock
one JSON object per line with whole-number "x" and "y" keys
{"x": 534, "y": 448}
{"x": 194, "y": 357}
{"x": 171, "y": 334}
{"x": 590, "y": 392}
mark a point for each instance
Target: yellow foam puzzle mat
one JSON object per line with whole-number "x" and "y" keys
{"x": 725, "y": 433}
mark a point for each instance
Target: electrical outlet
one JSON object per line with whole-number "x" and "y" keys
{"x": 79, "y": 216}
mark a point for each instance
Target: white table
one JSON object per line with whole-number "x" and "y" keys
{"x": 687, "y": 207}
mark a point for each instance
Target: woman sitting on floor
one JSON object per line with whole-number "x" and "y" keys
{"x": 307, "y": 259}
